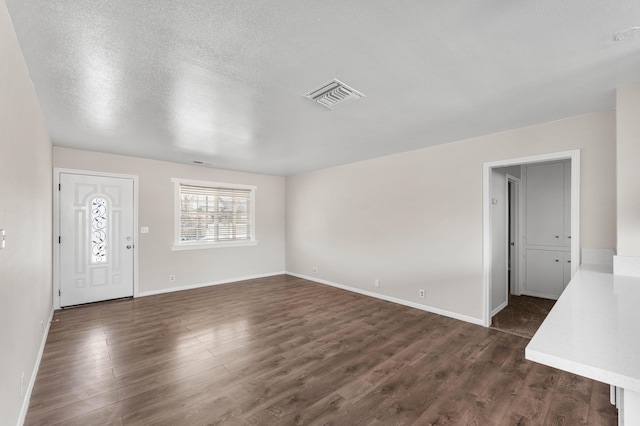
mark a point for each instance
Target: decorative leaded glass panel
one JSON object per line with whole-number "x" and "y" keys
{"x": 99, "y": 230}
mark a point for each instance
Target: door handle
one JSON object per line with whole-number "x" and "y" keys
{"x": 129, "y": 246}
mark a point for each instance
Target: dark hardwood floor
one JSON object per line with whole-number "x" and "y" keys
{"x": 285, "y": 351}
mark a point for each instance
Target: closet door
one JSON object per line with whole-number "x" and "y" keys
{"x": 545, "y": 273}
{"x": 545, "y": 205}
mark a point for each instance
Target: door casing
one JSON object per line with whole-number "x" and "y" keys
{"x": 56, "y": 226}
{"x": 574, "y": 157}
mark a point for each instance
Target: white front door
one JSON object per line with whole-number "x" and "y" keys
{"x": 96, "y": 216}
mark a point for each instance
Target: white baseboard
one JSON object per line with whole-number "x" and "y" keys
{"x": 209, "y": 284}
{"x": 34, "y": 373}
{"x": 427, "y": 308}
{"x": 499, "y": 308}
{"x": 626, "y": 265}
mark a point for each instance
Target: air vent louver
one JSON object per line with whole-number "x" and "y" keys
{"x": 334, "y": 93}
{"x": 202, "y": 163}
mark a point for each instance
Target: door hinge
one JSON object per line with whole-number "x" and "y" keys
{"x": 59, "y": 293}
{"x": 59, "y": 187}
{"x": 59, "y": 240}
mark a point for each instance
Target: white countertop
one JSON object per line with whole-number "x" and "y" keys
{"x": 594, "y": 329}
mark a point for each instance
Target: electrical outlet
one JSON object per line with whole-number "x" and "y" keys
{"x": 42, "y": 327}
{"x": 172, "y": 278}
{"x": 421, "y": 293}
{"x": 376, "y": 283}
{"x": 315, "y": 269}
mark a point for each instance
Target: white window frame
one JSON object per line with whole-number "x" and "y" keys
{"x": 180, "y": 245}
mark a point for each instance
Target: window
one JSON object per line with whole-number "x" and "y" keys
{"x": 210, "y": 214}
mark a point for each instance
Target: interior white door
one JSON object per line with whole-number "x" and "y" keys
{"x": 514, "y": 238}
{"x": 499, "y": 253}
{"x": 96, "y": 216}
{"x": 545, "y": 273}
{"x": 545, "y": 204}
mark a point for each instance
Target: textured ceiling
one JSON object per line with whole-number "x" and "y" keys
{"x": 224, "y": 81}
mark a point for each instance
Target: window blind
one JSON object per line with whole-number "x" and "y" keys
{"x": 214, "y": 214}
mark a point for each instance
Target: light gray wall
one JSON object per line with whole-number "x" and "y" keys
{"x": 414, "y": 220}
{"x": 156, "y": 210}
{"x": 25, "y": 214}
{"x": 628, "y": 166}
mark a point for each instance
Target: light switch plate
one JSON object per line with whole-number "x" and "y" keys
{"x": 144, "y": 229}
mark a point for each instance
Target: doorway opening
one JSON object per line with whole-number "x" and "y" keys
{"x": 503, "y": 236}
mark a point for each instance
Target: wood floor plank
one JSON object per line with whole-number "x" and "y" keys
{"x": 65, "y": 382}
{"x": 534, "y": 399}
{"x": 214, "y": 410}
{"x": 451, "y": 410}
{"x": 162, "y": 361}
{"x": 74, "y": 409}
{"x": 208, "y": 366}
{"x": 285, "y": 351}
{"x": 571, "y": 402}
{"x": 600, "y": 412}
{"x": 567, "y": 410}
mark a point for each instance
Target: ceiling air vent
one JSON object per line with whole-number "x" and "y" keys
{"x": 334, "y": 93}
{"x": 202, "y": 163}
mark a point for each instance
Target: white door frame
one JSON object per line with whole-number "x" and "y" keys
{"x": 56, "y": 226}
{"x": 574, "y": 157}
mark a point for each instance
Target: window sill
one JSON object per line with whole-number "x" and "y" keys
{"x": 180, "y": 247}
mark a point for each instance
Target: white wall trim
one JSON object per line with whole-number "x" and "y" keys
{"x": 426, "y": 308}
{"x": 225, "y": 244}
{"x": 34, "y": 373}
{"x": 574, "y": 157}
{"x": 208, "y": 284}
{"x": 499, "y": 308}
{"x": 56, "y": 226}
